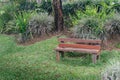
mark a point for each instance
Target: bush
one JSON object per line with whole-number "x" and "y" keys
{"x": 22, "y": 20}
{"x": 112, "y": 72}
{"x": 6, "y": 14}
{"x": 112, "y": 27}
{"x": 40, "y": 25}
{"x": 87, "y": 29}
{"x": 24, "y": 5}
{"x": 11, "y": 27}
{"x": 21, "y": 24}
{"x": 46, "y": 5}
{"x": 95, "y": 8}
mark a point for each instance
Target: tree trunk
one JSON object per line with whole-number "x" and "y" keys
{"x": 58, "y": 15}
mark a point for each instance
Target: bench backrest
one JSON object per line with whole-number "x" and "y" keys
{"x": 79, "y": 41}
{"x": 83, "y": 46}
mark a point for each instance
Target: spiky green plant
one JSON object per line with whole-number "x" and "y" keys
{"x": 87, "y": 29}
{"x": 40, "y": 24}
{"x": 112, "y": 27}
{"x": 112, "y": 72}
{"x": 22, "y": 20}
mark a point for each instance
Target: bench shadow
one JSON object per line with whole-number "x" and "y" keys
{"x": 77, "y": 59}
{"x": 82, "y": 59}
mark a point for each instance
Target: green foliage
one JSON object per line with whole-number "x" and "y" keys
{"x": 112, "y": 27}
{"x": 24, "y": 5}
{"x": 32, "y": 24}
{"x": 40, "y": 24}
{"x": 6, "y": 14}
{"x": 117, "y": 6}
{"x": 46, "y": 5}
{"x": 112, "y": 72}
{"x": 81, "y": 9}
{"x": 87, "y": 29}
{"x": 11, "y": 27}
{"x": 117, "y": 45}
{"x": 22, "y": 20}
{"x": 71, "y": 7}
{"x": 99, "y": 14}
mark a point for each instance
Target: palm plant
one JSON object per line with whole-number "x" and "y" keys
{"x": 22, "y": 20}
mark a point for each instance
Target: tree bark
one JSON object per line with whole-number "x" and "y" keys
{"x": 58, "y": 15}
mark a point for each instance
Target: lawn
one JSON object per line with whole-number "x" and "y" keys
{"x": 37, "y": 62}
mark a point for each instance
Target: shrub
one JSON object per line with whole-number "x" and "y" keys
{"x": 22, "y": 19}
{"x": 40, "y": 24}
{"x": 21, "y": 24}
{"x": 112, "y": 27}
{"x": 11, "y": 27}
{"x": 95, "y": 8}
{"x": 112, "y": 72}
{"x": 6, "y": 14}
{"x": 46, "y": 5}
{"x": 24, "y": 5}
{"x": 117, "y": 6}
{"x": 87, "y": 29}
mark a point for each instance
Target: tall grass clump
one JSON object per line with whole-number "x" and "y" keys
{"x": 112, "y": 71}
{"x": 21, "y": 24}
{"x": 40, "y": 24}
{"x": 112, "y": 27}
{"x": 87, "y": 29}
{"x": 6, "y": 14}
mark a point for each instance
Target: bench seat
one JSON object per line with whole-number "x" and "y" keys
{"x": 91, "y": 51}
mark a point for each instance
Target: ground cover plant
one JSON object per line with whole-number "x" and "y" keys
{"x": 37, "y": 62}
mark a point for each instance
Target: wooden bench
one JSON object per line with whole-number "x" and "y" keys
{"x": 77, "y": 45}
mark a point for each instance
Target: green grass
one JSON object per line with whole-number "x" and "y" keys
{"x": 117, "y": 45}
{"x": 37, "y": 62}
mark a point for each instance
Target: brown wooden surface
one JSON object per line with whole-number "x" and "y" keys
{"x": 82, "y": 46}
{"x": 94, "y": 58}
{"x": 57, "y": 56}
{"x": 74, "y": 40}
{"x": 90, "y": 51}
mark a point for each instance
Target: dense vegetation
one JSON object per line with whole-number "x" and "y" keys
{"x": 16, "y": 17}
{"x": 85, "y": 17}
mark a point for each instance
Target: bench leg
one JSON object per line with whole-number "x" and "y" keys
{"x": 94, "y": 58}
{"x": 62, "y": 54}
{"x": 58, "y": 56}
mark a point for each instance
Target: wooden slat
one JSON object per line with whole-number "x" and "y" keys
{"x": 79, "y": 40}
{"x": 82, "y": 46}
{"x": 91, "y": 51}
